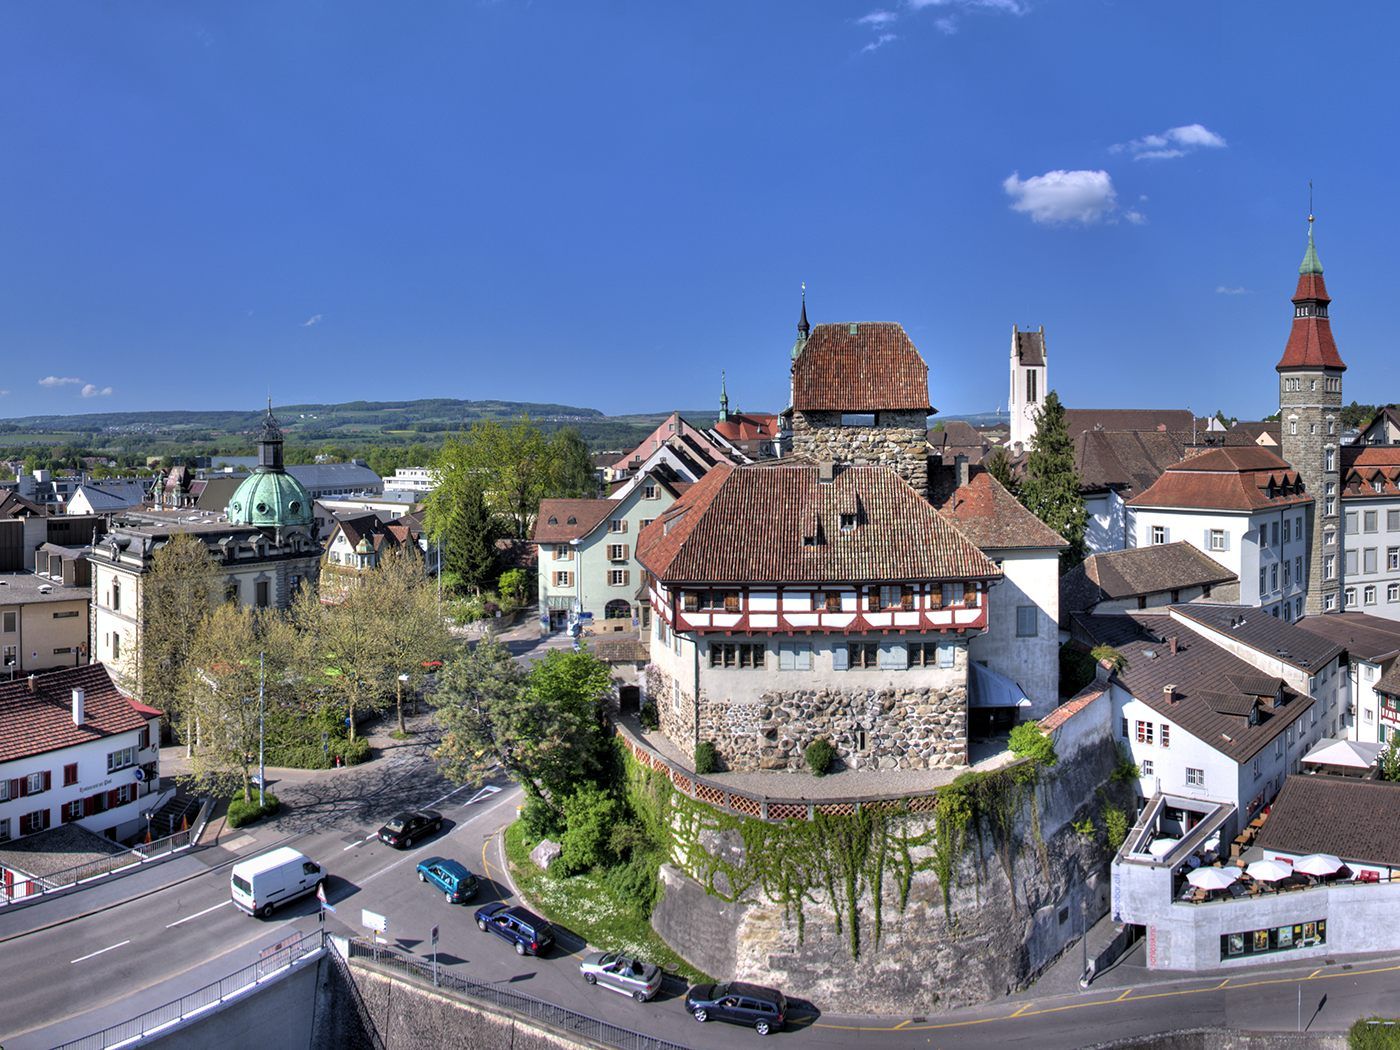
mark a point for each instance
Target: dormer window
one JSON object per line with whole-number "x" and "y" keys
{"x": 553, "y": 520}
{"x": 848, "y": 522}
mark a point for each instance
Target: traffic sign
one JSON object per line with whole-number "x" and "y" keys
{"x": 434, "y": 936}
{"x": 321, "y": 896}
{"x": 372, "y": 921}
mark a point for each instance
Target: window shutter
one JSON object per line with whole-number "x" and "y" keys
{"x": 787, "y": 657}
{"x": 90, "y": 806}
{"x": 893, "y": 657}
{"x": 1205, "y": 543}
{"x": 838, "y": 658}
{"x": 624, "y": 524}
{"x": 906, "y": 597}
{"x": 935, "y": 597}
{"x": 1226, "y": 534}
{"x": 17, "y": 788}
{"x": 872, "y": 601}
{"x": 804, "y": 656}
{"x": 626, "y": 576}
{"x": 626, "y": 551}
{"x": 48, "y": 779}
{"x": 112, "y": 797}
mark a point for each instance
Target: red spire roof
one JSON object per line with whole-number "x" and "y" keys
{"x": 1310, "y": 344}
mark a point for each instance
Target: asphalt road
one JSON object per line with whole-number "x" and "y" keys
{"x": 109, "y": 960}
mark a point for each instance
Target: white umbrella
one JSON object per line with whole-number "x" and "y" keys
{"x": 1212, "y": 878}
{"x": 1318, "y": 864}
{"x": 1161, "y": 847}
{"x": 1268, "y": 871}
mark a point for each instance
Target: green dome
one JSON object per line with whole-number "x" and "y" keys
{"x": 270, "y": 499}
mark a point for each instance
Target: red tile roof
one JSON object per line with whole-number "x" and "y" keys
{"x": 1365, "y": 467}
{"x": 1243, "y": 478}
{"x": 781, "y": 524}
{"x": 747, "y": 426}
{"x": 1310, "y": 343}
{"x": 42, "y": 721}
{"x": 1072, "y": 707}
{"x": 867, "y": 367}
{"x": 562, "y": 520}
{"x": 994, "y": 519}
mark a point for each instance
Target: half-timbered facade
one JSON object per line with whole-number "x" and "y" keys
{"x": 793, "y": 602}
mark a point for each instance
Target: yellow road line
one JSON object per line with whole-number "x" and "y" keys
{"x": 1126, "y": 992}
{"x": 901, "y": 1024}
{"x": 1316, "y": 972}
{"x": 1023, "y": 1008}
{"x": 1223, "y": 983}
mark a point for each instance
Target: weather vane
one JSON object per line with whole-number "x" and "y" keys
{"x": 1310, "y": 202}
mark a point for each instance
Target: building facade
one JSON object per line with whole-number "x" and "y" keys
{"x": 1371, "y": 530}
{"x": 1029, "y": 367}
{"x": 793, "y": 602}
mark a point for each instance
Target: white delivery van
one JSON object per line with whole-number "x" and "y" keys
{"x": 262, "y": 883}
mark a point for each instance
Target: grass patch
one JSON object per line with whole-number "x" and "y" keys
{"x": 588, "y": 906}
{"x": 405, "y": 735}
{"x": 1374, "y": 1033}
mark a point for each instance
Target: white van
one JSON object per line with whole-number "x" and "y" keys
{"x": 262, "y": 883}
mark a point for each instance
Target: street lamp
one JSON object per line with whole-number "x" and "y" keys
{"x": 402, "y": 680}
{"x": 262, "y": 769}
{"x": 147, "y": 814}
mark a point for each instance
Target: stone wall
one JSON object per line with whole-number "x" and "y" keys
{"x": 898, "y": 440}
{"x": 1015, "y": 907}
{"x": 882, "y": 726}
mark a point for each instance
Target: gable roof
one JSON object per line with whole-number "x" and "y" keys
{"x": 994, "y": 519}
{"x": 1126, "y": 460}
{"x": 747, "y": 426}
{"x": 870, "y": 366}
{"x": 42, "y": 721}
{"x": 1139, "y": 571}
{"x": 1353, "y": 819}
{"x": 781, "y": 523}
{"x": 1372, "y": 638}
{"x": 13, "y": 505}
{"x": 1200, "y": 672}
{"x": 1078, "y": 420}
{"x": 1249, "y": 432}
{"x": 1072, "y": 706}
{"x": 117, "y": 496}
{"x": 1241, "y": 478}
{"x": 562, "y": 520}
{"x": 1370, "y": 471}
{"x": 1029, "y": 346}
{"x": 1273, "y": 636}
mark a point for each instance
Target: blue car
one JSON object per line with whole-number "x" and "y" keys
{"x": 530, "y": 934}
{"x": 457, "y": 884}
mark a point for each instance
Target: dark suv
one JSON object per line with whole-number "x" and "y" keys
{"x": 530, "y": 934}
{"x": 762, "y": 1009}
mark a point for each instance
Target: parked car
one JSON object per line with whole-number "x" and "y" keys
{"x": 621, "y": 973}
{"x": 530, "y": 934}
{"x": 456, "y": 882}
{"x": 762, "y": 1009}
{"x": 259, "y": 884}
{"x": 401, "y": 830}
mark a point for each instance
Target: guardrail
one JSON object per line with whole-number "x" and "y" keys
{"x": 766, "y": 807}
{"x": 274, "y": 959}
{"x": 27, "y": 887}
{"x": 556, "y": 1017}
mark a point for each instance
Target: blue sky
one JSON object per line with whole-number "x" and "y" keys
{"x": 606, "y": 203}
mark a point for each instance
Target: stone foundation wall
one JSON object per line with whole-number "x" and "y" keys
{"x": 898, "y": 440}
{"x": 880, "y": 727}
{"x": 1006, "y": 926}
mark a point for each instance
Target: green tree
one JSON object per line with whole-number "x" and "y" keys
{"x": 999, "y": 467}
{"x": 1390, "y": 759}
{"x": 458, "y": 516}
{"x": 546, "y": 728}
{"x": 511, "y": 586}
{"x": 174, "y": 599}
{"x": 571, "y": 474}
{"x": 1050, "y": 487}
{"x": 413, "y": 631}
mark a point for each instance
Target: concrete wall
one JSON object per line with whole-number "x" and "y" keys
{"x": 1032, "y": 577}
{"x": 43, "y": 628}
{"x": 1227, "y": 1039}
{"x": 1004, "y": 931}
{"x": 1110, "y": 525}
{"x": 280, "y": 1015}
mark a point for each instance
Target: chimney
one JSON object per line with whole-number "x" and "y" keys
{"x": 1172, "y": 645}
{"x": 960, "y": 464}
{"x": 826, "y": 470}
{"x": 1169, "y": 690}
{"x": 78, "y": 697}
{"x": 33, "y": 685}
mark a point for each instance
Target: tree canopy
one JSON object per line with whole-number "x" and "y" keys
{"x": 1050, "y": 487}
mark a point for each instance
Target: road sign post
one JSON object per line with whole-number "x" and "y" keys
{"x": 433, "y": 936}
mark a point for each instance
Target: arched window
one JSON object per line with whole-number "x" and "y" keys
{"x": 617, "y": 609}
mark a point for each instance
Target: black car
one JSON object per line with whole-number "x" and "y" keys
{"x": 401, "y": 830}
{"x": 530, "y": 934}
{"x": 762, "y": 1009}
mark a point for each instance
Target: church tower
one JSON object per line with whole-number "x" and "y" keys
{"x": 1028, "y": 368}
{"x": 1310, "y": 412}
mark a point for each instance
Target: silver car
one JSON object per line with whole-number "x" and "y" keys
{"x": 621, "y": 973}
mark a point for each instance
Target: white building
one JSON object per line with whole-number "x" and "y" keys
{"x": 74, "y": 749}
{"x": 1371, "y": 531}
{"x": 1028, "y": 367}
{"x": 1373, "y": 651}
{"x": 413, "y": 479}
{"x": 1246, "y": 508}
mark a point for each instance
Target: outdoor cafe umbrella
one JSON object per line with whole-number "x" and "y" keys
{"x": 1318, "y": 864}
{"x": 1161, "y": 847}
{"x": 1212, "y": 878}
{"x": 1268, "y": 871}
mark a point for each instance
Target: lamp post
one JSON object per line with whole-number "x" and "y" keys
{"x": 147, "y": 814}
{"x": 399, "y": 683}
{"x": 262, "y": 769}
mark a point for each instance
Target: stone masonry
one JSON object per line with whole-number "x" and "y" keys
{"x": 1310, "y": 419}
{"x": 898, "y": 440}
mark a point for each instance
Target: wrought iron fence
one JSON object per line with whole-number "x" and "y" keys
{"x": 38, "y": 885}
{"x": 278, "y": 957}
{"x": 556, "y": 1017}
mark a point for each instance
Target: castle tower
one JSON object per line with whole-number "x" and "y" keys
{"x": 1310, "y": 411}
{"x": 1028, "y": 367}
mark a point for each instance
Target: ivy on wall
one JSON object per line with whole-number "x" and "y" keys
{"x": 845, "y": 857}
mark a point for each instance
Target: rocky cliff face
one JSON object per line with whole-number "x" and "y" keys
{"x": 1014, "y": 908}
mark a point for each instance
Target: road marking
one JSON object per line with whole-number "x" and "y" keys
{"x": 99, "y": 951}
{"x": 486, "y": 791}
{"x": 1020, "y": 1010}
{"x": 197, "y": 914}
{"x": 1316, "y": 972}
{"x": 408, "y": 854}
{"x": 901, "y": 1024}
{"x": 1126, "y": 992}
{"x": 1223, "y": 983}
{"x": 361, "y": 842}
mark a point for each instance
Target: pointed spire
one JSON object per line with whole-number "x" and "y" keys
{"x": 723, "y": 398}
{"x": 803, "y": 328}
{"x": 1311, "y": 264}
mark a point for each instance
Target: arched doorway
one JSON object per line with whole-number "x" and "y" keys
{"x": 618, "y": 609}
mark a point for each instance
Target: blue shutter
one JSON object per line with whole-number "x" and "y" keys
{"x": 802, "y": 656}
{"x": 786, "y": 655}
{"x": 838, "y": 657}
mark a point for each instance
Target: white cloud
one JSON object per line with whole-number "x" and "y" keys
{"x": 1010, "y": 7}
{"x": 312, "y": 321}
{"x": 1174, "y": 142}
{"x": 4, "y": 393}
{"x": 53, "y": 381}
{"x": 947, "y": 25}
{"x": 1064, "y": 196}
{"x": 1135, "y": 217}
{"x": 879, "y": 42}
{"x": 1224, "y": 289}
{"x": 92, "y": 390}
{"x": 877, "y": 19}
